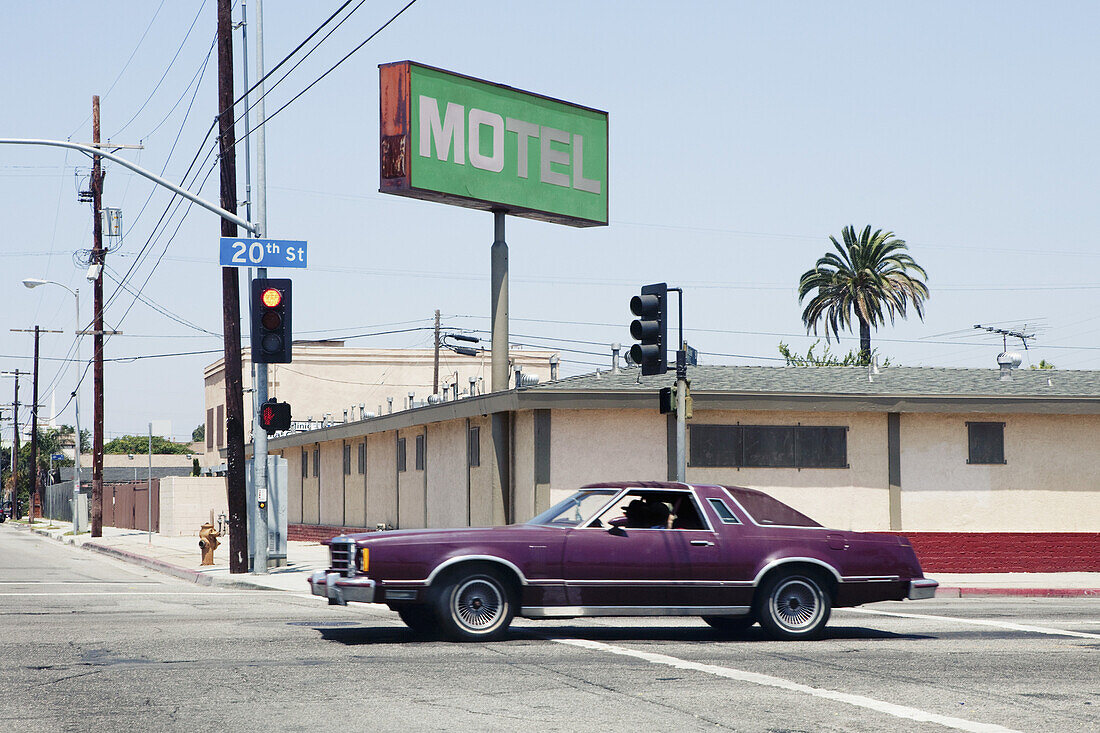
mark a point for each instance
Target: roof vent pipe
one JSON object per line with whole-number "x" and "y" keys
{"x": 389, "y": 403}
{"x": 1008, "y": 361}
{"x": 473, "y": 386}
{"x": 615, "y": 358}
{"x": 554, "y": 367}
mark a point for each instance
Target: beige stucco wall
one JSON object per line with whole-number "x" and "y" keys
{"x": 1049, "y": 481}
{"x": 332, "y": 482}
{"x": 381, "y": 477}
{"x": 186, "y": 503}
{"x": 605, "y": 445}
{"x": 446, "y": 474}
{"x": 523, "y": 475}
{"x": 355, "y": 489}
{"x": 855, "y": 498}
{"x": 410, "y": 485}
{"x": 311, "y": 496}
{"x": 484, "y": 503}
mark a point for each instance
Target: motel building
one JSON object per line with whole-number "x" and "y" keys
{"x": 984, "y": 470}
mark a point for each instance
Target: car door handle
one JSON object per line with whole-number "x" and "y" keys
{"x": 702, "y": 543}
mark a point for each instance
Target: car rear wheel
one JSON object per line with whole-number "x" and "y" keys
{"x": 730, "y": 624}
{"x": 794, "y": 606}
{"x": 475, "y": 605}
{"x": 419, "y": 618}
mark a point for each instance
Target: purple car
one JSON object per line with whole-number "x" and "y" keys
{"x": 730, "y": 555}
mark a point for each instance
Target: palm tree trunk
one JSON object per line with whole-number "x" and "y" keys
{"x": 864, "y": 342}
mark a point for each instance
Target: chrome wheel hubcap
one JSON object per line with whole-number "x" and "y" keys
{"x": 796, "y": 604}
{"x": 478, "y": 604}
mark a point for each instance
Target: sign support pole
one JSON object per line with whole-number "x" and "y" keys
{"x": 500, "y": 305}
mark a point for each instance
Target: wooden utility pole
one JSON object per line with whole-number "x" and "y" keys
{"x": 97, "y": 339}
{"x": 435, "y": 379}
{"x": 15, "y": 443}
{"x": 231, "y": 305}
{"x": 35, "y": 498}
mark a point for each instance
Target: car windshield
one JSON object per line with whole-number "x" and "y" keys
{"x": 576, "y": 510}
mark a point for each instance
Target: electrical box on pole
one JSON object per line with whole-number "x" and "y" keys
{"x": 650, "y": 329}
{"x": 271, "y": 331}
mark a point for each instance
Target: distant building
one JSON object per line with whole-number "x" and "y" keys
{"x": 328, "y": 383}
{"x": 956, "y": 456}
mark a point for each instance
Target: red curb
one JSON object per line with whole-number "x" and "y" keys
{"x": 165, "y": 567}
{"x": 1022, "y": 592}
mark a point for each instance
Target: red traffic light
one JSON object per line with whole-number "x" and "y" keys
{"x": 271, "y": 297}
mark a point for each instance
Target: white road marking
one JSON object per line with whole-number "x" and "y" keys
{"x": 138, "y": 593}
{"x": 899, "y": 711}
{"x": 980, "y": 622}
{"x": 78, "y": 582}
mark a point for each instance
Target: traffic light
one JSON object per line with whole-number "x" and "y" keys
{"x": 650, "y": 329}
{"x": 274, "y": 416}
{"x": 271, "y": 334}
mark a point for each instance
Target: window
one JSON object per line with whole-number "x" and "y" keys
{"x": 987, "y": 442}
{"x": 420, "y": 453}
{"x": 305, "y": 463}
{"x": 317, "y": 462}
{"x": 347, "y": 459}
{"x": 723, "y": 511}
{"x": 221, "y": 425}
{"x": 652, "y": 509}
{"x": 400, "y": 454}
{"x": 473, "y": 447}
{"x": 210, "y": 429}
{"x": 768, "y": 446}
{"x": 362, "y": 458}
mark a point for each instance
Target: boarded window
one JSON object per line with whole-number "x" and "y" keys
{"x": 420, "y": 453}
{"x": 400, "y": 454}
{"x": 210, "y": 429}
{"x": 316, "y": 463}
{"x": 305, "y": 463}
{"x": 768, "y": 446}
{"x": 221, "y": 425}
{"x": 473, "y": 447}
{"x": 347, "y": 459}
{"x": 362, "y": 458}
{"x": 987, "y": 442}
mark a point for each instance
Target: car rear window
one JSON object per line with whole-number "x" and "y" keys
{"x": 766, "y": 510}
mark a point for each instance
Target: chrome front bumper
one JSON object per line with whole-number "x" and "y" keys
{"x": 340, "y": 589}
{"x": 921, "y": 589}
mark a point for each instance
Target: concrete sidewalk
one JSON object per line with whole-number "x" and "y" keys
{"x": 179, "y": 556}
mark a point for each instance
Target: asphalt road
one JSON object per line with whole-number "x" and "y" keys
{"x": 89, "y": 643}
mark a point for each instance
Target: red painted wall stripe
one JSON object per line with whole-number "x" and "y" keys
{"x": 938, "y": 552}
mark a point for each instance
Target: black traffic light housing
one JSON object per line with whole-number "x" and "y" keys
{"x": 271, "y": 332}
{"x": 274, "y": 416}
{"x": 650, "y": 329}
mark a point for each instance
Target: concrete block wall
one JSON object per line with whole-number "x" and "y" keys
{"x": 185, "y": 503}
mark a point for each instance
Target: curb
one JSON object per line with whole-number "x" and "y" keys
{"x": 194, "y": 576}
{"x": 1018, "y": 592}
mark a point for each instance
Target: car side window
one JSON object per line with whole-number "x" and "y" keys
{"x": 653, "y": 510}
{"x": 724, "y": 514}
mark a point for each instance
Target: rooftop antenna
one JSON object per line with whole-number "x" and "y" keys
{"x": 1022, "y": 334}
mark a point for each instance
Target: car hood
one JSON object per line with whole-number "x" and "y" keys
{"x": 512, "y": 532}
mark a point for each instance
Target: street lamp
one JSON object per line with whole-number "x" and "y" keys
{"x": 34, "y": 282}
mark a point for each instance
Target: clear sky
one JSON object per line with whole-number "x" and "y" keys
{"x": 741, "y": 136}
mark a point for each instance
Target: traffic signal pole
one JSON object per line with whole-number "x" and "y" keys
{"x": 681, "y": 398}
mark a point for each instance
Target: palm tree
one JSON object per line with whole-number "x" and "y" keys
{"x": 867, "y": 275}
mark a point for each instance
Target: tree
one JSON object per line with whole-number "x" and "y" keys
{"x": 1043, "y": 364}
{"x": 825, "y": 358}
{"x": 140, "y": 444}
{"x": 198, "y": 434}
{"x": 869, "y": 276}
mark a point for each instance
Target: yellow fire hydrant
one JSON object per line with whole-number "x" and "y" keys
{"x": 208, "y": 542}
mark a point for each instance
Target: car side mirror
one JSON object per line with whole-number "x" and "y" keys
{"x": 617, "y": 531}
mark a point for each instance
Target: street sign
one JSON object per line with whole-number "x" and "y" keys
{"x": 58, "y": 456}
{"x": 457, "y": 140}
{"x": 262, "y": 253}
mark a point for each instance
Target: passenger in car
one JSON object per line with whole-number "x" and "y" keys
{"x": 657, "y": 514}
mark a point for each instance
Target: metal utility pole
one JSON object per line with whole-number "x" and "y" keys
{"x": 97, "y": 329}
{"x": 681, "y": 397}
{"x": 257, "y": 504}
{"x": 15, "y": 446}
{"x": 435, "y": 378}
{"x": 231, "y": 305}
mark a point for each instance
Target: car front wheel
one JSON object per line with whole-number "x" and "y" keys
{"x": 794, "y": 606}
{"x": 475, "y": 606}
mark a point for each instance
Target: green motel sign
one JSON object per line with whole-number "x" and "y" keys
{"x": 457, "y": 140}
